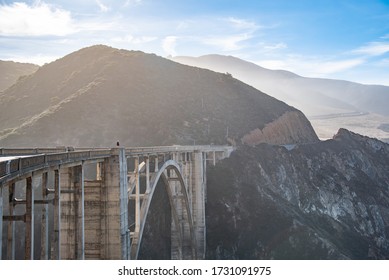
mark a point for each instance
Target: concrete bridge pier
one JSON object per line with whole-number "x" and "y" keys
{"x": 114, "y": 215}
{"x": 56, "y": 238}
{"x": 11, "y": 224}
{"x": 29, "y": 220}
{"x": 72, "y": 213}
{"x": 198, "y": 182}
{"x": 44, "y": 254}
{"x": 1, "y": 221}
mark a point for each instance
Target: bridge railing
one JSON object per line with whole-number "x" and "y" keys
{"x": 177, "y": 148}
{"x": 18, "y": 166}
{"x": 31, "y": 151}
{"x": 29, "y": 159}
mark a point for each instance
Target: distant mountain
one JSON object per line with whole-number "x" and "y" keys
{"x": 326, "y": 200}
{"x": 328, "y": 104}
{"x": 311, "y": 95}
{"x": 99, "y": 95}
{"x": 11, "y": 71}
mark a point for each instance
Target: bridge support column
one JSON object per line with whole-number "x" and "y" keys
{"x": 198, "y": 201}
{"x": 115, "y": 241}
{"x": 56, "y": 241}
{"x": 29, "y": 233}
{"x": 11, "y": 224}
{"x": 93, "y": 220}
{"x": 72, "y": 208}
{"x": 44, "y": 220}
{"x": 1, "y": 221}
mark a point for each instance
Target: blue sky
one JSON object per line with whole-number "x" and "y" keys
{"x": 324, "y": 38}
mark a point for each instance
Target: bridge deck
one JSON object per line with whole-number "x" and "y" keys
{"x": 15, "y": 161}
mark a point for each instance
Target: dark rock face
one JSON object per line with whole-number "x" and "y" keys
{"x": 327, "y": 200}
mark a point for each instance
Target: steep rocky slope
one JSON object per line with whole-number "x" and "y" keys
{"x": 327, "y": 200}
{"x": 100, "y": 95}
{"x": 11, "y": 71}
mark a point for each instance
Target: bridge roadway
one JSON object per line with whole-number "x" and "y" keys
{"x": 92, "y": 203}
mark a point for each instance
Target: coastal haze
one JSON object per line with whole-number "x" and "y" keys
{"x": 329, "y": 104}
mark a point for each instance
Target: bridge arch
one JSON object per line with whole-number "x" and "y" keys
{"x": 184, "y": 238}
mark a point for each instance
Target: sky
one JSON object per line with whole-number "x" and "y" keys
{"x": 336, "y": 39}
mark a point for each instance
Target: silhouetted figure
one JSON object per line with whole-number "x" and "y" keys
{"x": 117, "y": 144}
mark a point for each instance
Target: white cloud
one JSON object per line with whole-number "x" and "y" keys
{"x": 39, "y": 19}
{"x": 243, "y": 24}
{"x": 169, "y": 45}
{"x": 42, "y": 19}
{"x": 227, "y": 42}
{"x": 103, "y": 8}
{"x": 224, "y": 34}
{"x": 132, "y": 3}
{"x": 134, "y": 40}
{"x": 278, "y": 46}
{"x": 38, "y": 59}
{"x": 373, "y": 49}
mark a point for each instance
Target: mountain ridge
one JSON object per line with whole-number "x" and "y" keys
{"x": 11, "y": 71}
{"x": 328, "y": 103}
{"x": 185, "y": 104}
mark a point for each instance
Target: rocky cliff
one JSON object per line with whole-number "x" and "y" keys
{"x": 327, "y": 200}
{"x": 289, "y": 128}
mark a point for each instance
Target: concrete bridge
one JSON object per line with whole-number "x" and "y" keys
{"x": 93, "y": 203}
